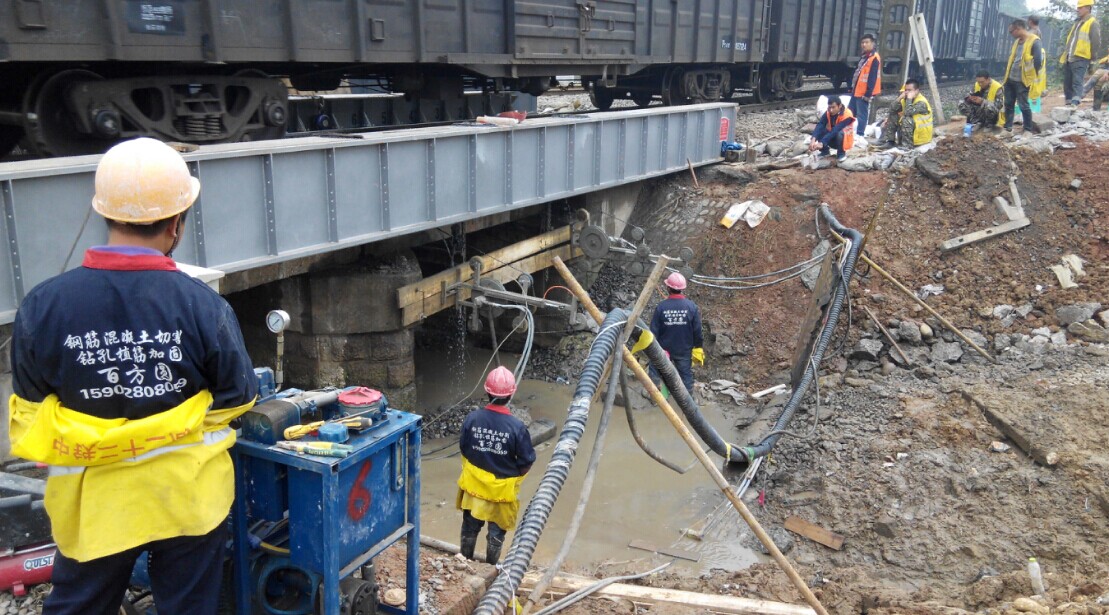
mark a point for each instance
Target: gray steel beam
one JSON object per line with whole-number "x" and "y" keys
{"x": 267, "y": 202}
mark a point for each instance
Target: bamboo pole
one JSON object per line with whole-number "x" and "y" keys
{"x": 687, "y": 436}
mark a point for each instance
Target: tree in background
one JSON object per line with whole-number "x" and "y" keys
{"x": 1014, "y": 7}
{"x": 1064, "y": 11}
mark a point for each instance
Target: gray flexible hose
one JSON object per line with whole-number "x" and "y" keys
{"x": 839, "y": 295}
{"x": 616, "y": 369}
{"x": 535, "y": 516}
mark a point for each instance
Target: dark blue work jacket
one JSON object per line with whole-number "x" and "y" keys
{"x": 677, "y": 326}
{"x": 495, "y": 441}
{"x": 127, "y": 335}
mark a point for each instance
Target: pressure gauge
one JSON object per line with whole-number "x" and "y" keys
{"x": 277, "y": 320}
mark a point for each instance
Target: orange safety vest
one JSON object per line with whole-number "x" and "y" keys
{"x": 864, "y": 78}
{"x": 848, "y": 133}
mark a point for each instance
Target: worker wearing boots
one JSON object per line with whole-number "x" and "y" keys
{"x": 496, "y": 455}
{"x": 126, "y": 374}
{"x": 677, "y": 327}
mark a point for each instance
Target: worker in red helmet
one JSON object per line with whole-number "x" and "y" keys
{"x": 496, "y": 455}
{"x": 677, "y": 327}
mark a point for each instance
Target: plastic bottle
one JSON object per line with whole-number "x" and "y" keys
{"x": 1037, "y": 578}
{"x": 967, "y": 128}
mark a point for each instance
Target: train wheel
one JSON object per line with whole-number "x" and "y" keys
{"x": 53, "y": 131}
{"x": 601, "y": 97}
{"x": 763, "y": 92}
{"x": 642, "y": 100}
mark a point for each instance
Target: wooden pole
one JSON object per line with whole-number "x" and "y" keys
{"x": 687, "y": 436}
{"x": 919, "y": 27}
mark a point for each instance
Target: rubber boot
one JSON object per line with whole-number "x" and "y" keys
{"x": 493, "y": 550}
{"x": 469, "y": 542}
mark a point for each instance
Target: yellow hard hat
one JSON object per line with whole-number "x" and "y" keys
{"x": 143, "y": 181}
{"x": 1082, "y": 3}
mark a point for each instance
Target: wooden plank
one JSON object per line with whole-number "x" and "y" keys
{"x": 415, "y": 312}
{"x": 976, "y": 236}
{"x": 564, "y": 584}
{"x": 828, "y": 538}
{"x": 670, "y": 552}
{"x": 431, "y": 285}
{"x": 1014, "y": 432}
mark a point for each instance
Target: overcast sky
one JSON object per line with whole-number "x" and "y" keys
{"x": 1036, "y": 5}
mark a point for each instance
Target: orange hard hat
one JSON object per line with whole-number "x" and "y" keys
{"x": 500, "y": 383}
{"x": 676, "y": 281}
{"x": 143, "y": 181}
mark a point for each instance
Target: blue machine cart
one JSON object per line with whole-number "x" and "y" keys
{"x": 341, "y": 512}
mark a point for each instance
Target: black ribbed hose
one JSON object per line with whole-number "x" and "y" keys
{"x": 530, "y": 527}
{"x": 669, "y": 374}
{"x": 764, "y": 447}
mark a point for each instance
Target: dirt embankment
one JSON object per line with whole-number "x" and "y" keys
{"x": 940, "y": 505}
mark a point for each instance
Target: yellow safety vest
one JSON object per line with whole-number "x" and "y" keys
{"x": 1082, "y": 48}
{"x": 1036, "y": 81}
{"x": 991, "y": 95}
{"x": 487, "y": 497}
{"x": 922, "y": 124}
{"x": 116, "y": 484}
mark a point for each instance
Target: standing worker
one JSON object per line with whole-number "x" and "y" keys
{"x": 910, "y": 120}
{"x": 1083, "y": 45}
{"x": 496, "y": 455}
{"x": 1025, "y": 75}
{"x": 1034, "y": 28}
{"x": 677, "y": 327}
{"x": 834, "y": 130}
{"x": 866, "y": 83}
{"x": 126, "y": 374}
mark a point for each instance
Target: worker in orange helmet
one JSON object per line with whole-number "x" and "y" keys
{"x": 677, "y": 327}
{"x": 496, "y": 455}
{"x": 127, "y": 373}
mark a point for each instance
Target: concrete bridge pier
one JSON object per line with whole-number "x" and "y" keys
{"x": 345, "y": 328}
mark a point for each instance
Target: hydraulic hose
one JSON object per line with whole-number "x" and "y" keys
{"x": 847, "y": 271}
{"x": 530, "y": 527}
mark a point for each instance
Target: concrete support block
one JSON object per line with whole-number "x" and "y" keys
{"x": 361, "y": 298}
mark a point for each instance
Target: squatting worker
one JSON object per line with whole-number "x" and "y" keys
{"x": 126, "y": 374}
{"x": 1083, "y": 45}
{"x": 1099, "y": 83}
{"x": 910, "y": 119}
{"x": 1025, "y": 75}
{"x": 676, "y": 325}
{"x": 984, "y": 103}
{"x": 496, "y": 455}
{"x": 866, "y": 83}
{"x": 834, "y": 130}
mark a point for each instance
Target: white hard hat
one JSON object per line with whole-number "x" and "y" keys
{"x": 143, "y": 181}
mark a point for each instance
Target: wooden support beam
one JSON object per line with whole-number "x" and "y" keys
{"x": 564, "y": 584}
{"x": 421, "y": 291}
{"x": 438, "y": 301}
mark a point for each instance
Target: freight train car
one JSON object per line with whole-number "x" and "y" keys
{"x": 686, "y": 50}
{"x": 81, "y": 74}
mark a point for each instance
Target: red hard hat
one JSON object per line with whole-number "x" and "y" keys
{"x": 500, "y": 383}
{"x": 676, "y": 281}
